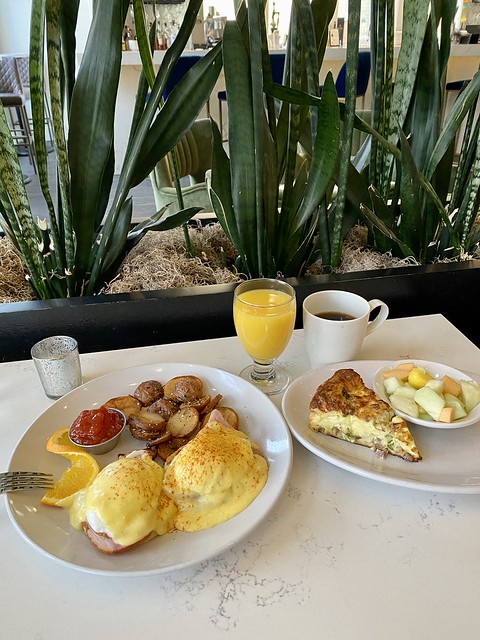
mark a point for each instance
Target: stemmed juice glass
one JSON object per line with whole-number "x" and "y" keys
{"x": 264, "y": 312}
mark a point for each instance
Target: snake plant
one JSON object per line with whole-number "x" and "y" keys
{"x": 282, "y": 215}
{"x": 265, "y": 198}
{"x": 415, "y": 208}
{"x": 88, "y": 227}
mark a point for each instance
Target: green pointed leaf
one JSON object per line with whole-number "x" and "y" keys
{"x": 242, "y": 139}
{"x": 91, "y": 136}
{"x": 412, "y": 226}
{"x": 178, "y": 113}
{"x": 387, "y": 231}
{"x": 325, "y": 152}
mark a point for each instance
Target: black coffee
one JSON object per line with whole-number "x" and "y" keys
{"x": 334, "y": 315}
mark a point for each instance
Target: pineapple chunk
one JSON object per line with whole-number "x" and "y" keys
{"x": 418, "y": 377}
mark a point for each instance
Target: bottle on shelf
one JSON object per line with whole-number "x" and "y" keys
{"x": 172, "y": 33}
{"x": 162, "y": 38}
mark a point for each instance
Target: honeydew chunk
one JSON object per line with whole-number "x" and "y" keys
{"x": 405, "y": 405}
{"x": 401, "y": 374}
{"x": 451, "y": 386}
{"x": 436, "y": 385}
{"x": 470, "y": 394}
{"x": 430, "y": 401}
{"x": 406, "y": 391}
{"x": 391, "y": 384}
{"x": 446, "y": 415}
{"x": 457, "y": 406}
{"x": 423, "y": 415}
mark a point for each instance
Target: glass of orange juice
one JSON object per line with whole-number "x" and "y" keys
{"x": 264, "y": 313}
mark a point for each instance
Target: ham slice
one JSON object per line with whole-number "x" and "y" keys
{"x": 216, "y": 416}
{"x": 106, "y": 544}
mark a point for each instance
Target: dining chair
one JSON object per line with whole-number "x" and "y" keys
{"x": 12, "y": 97}
{"x": 277, "y": 64}
{"x": 22, "y": 63}
{"x": 194, "y": 158}
{"x": 454, "y": 88}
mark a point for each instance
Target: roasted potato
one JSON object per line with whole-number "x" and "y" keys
{"x": 168, "y": 449}
{"x": 145, "y": 425}
{"x": 200, "y": 404}
{"x": 184, "y": 388}
{"x": 212, "y": 404}
{"x": 127, "y": 404}
{"x": 149, "y": 391}
{"x": 164, "y": 407}
{"x": 184, "y": 422}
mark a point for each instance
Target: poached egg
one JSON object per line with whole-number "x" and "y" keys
{"x": 124, "y": 505}
{"x": 215, "y": 476}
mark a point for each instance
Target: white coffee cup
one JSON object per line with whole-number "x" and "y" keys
{"x": 329, "y": 336}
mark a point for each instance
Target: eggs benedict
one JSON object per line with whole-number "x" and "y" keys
{"x": 125, "y": 505}
{"x": 215, "y": 476}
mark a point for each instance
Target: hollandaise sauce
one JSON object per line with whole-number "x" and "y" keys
{"x": 214, "y": 477}
{"x": 125, "y": 501}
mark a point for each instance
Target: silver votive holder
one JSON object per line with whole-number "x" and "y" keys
{"x": 58, "y": 365}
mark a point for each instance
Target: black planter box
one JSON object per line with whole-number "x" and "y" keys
{"x": 143, "y": 318}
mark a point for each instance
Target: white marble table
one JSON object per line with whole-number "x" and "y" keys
{"x": 341, "y": 557}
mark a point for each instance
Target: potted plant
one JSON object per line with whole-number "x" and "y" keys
{"x": 398, "y": 183}
{"x": 88, "y": 231}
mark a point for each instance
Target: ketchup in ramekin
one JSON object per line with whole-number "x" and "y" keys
{"x": 95, "y": 426}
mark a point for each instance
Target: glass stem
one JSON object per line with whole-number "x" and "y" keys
{"x": 263, "y": 371}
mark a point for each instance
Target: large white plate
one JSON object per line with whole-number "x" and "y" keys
{"x": 47, "y": 528}
{"x": 451, "y": 460}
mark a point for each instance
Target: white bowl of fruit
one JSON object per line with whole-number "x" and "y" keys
{"x": 429, "y": 394}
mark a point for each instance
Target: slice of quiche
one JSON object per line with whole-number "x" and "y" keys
{"x": 343, "y": 407}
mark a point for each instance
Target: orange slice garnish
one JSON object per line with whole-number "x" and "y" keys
{"x": 59, "y": 442}
{"x": 83, "y": 470}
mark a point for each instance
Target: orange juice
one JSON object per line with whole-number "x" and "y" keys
{"x": 264, "y": 321}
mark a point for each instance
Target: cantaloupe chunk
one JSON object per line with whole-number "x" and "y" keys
{"x": 408, "y": 366}
{"x": 451, "y": 386}
{"x": 401, "y": 374}
{"x": 446, "y": 415}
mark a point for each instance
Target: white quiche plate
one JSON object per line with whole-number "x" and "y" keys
{"x": 451, "y": 460}
{"x": 47, "y": 529}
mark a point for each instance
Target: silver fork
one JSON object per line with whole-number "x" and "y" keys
{"x": 19, "y": 480}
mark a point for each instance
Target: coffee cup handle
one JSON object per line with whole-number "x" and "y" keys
{"x": 381, "y": 317}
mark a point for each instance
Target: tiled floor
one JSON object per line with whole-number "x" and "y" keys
{"x": 143, "y": 200}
